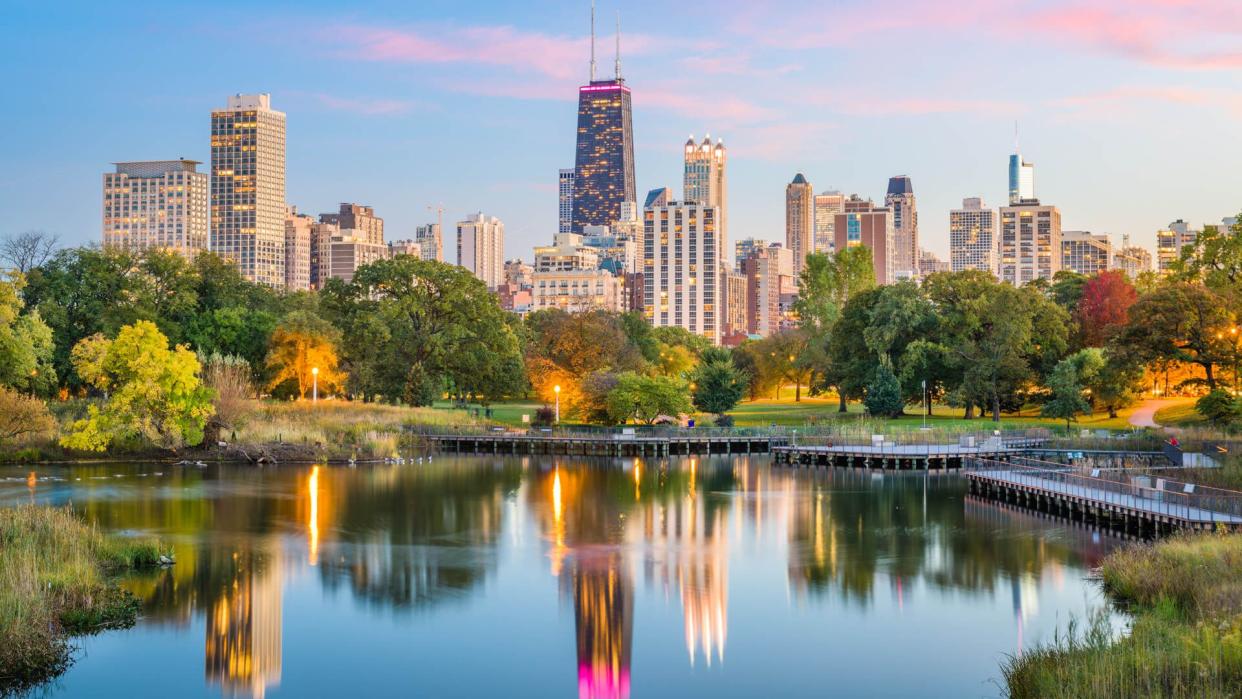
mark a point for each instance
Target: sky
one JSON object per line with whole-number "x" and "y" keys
{"x": 1131, "y": 110}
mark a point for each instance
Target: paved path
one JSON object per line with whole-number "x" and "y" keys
{"x": 1171, "y": 507}
{"x": 1145, "y": 414}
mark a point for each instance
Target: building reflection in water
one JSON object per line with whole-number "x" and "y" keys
{"x": 603, "y": 595}
{"x": 243, "y": 647}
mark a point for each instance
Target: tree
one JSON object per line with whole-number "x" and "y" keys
{"x": 1179, "y": 322}
{"x": 852, "y": 362}
{"x": 1104, "y": 307}
{"x": 564, "y": 348}
{"x": 153, "y": 392}
{"x": 826, "y": 284}
{"x": 1219, "y": 406}
{"x": 647, "y": 398}
{"x": 1215, "y": 260}
{"x": 883, "y": 397}
{"x": 1067, "y": 289}
{"x": 1067, "y": 400}
{"x": 302, "y": 343}
{"x": 717, "y": 386}
{"x": 1117, "y": 384}
{"x": 25, "y": 342}
{"x": 22, "y": 417}
{"x": 782, "y": 357}
{"x": 25, "y": 251}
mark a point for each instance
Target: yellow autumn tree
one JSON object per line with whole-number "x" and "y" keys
{"x": 301, "y": 343}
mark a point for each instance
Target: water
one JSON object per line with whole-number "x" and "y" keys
{"x": 556, "y": 577}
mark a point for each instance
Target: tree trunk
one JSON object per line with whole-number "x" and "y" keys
{"x": 996, "y": 408}
{"x": 841, "y": 396}
{"x": 1112, "y": 411}
{"x": 797, "y": 390}
{"x": 1211, "y": 379}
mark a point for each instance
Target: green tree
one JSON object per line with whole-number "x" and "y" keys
{"x": 647, "y": 398}
{"x": 1219, "y": 406}
{"x": 153, "y": 391}
{"x": 1215, "y": 259}
{"x": 562, "y": 349}
{"x": 1067, "y": 401}
{"x": 717, "y": 386}
{"x": 26, "y": 346}
{"x": 1179, "y": 322}
{"x": 826, "y": 284}
{"x": 883, "y": 398}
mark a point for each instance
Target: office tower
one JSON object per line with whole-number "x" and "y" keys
{"x": 873, "y": 228}
{"x": 930, "y": 263}
{"x": 682, "y": 253}
{"x": 481, "y": 248}
{"x": 1021, "y": 180}
{"x": 1085, "y": 253}
{"x": 298, "y": 250}
{"x": 706, "y": 178}
{"x": 577, "y": 290}
{"x": 900, "y": 198}
{"x": 248, "y": 187}
{"x": 1030, "y": 242}
{"x": 565, "y": 208}
{"x": 769, "y": 274}
{"x": 156, "y": 204}
{"x": 1132, "y": 259}
{"x": 430, "y": 241}
{"x": 827, "y": 206}
{"x": 736, "y": 303}
{"x": 973, "y": 243}
{"x": 567, "y": 252}
{"x": 360, "y": 219}
{"x": 799, "y": 220}
{"x": 604, "y": 159}
{"x": 743, "y": 249}
{"x": 1171, "y": 241}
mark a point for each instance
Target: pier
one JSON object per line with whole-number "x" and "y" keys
{"x": 1141, "y": 504}
{"x": 606, "y": 444}
{"x": 901, "y": 457}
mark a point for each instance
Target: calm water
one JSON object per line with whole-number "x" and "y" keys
{"x": 548, "y": 577}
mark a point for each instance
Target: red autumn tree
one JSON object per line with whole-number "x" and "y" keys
{"x": 1105, "y": 306}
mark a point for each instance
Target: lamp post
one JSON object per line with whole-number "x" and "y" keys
{"x": 315, "y": 386}
{"x": 557, "y": 390}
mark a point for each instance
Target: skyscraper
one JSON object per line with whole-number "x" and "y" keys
{"x": 973, "y": 243}
{"x": 604, "y": 161}
{"x": 156, "y": 204}
{"x": 706, "y": 179}
{"x": 682, "y": 254}
{"x": 799, "y": 220}
{"x": 1021, "y": 179}
{"x": 827, "y": 206}
{"x": 481, "y": 248}
{"x": 1030, "y": 242}
{"x": 248, "y": 187}
{"x": 769, "y": 273}
{"x": 900, "y": 198}
{"x": 565, "y": 208}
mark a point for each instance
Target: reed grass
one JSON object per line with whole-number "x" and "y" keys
{"x": 54, "y": 582}
{"x": 1185, "y": 639}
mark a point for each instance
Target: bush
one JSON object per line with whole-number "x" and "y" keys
{"x": 23, "y": 417}
{"x": 544, "y": 417}
{"x": 1219, "y": 407}
{"x": 883, "y": 397}
{"x": 724, "y": 421}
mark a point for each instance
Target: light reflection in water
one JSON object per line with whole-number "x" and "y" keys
{"x": 313, "y": 521}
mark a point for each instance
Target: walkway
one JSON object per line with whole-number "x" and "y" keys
{"x": 1145, "y": 414}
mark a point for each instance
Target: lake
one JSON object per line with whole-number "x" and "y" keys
{"x": 563, "y": 577}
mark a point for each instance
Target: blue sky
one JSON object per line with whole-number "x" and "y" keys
{"x": 1130, "y": 109}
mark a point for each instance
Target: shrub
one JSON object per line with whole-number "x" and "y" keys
{"x": 1219, "y": 406}
{"x": 23, "y": 417}
{"x": 544, "y": 417}
{"x": 883, "y": 397}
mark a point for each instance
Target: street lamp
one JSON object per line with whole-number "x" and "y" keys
{"x": 557, "y": 390}
{"x": 315, "y": 387}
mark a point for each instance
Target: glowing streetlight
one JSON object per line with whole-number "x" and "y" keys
{"x": 315, "y": 386}
{"x": 557, "y": 390}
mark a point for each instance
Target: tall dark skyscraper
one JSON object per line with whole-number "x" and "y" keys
{"x": 604, "y": 163}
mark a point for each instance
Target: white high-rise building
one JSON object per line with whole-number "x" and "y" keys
{"x": 565, "y": 210}
{"x": 1132, "y": 259}
{"x": 827, "y": 206}
{"x": 158, "y": 204}
{"x": 248, "y": 187}
{"x": 706, "y": 178}
{"x": 298, "y": 231}
{"x": 430, "y": 241}
{"x": 1171, "y": 241}
{"x": 1030, "y": 242}
{"x": 972, "y": 237}
{"x": 481, "y": 248}
{"x": 682, "y": 255}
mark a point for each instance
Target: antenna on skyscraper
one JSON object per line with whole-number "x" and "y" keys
{"x": 592, "y": 40}
{"x": 1016, "y": 149}
{"x": 618, "y": 44}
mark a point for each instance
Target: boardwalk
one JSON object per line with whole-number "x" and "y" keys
{"x": 604, "y": 444}
{"x": 900, "y": 456}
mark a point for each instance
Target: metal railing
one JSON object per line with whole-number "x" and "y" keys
{"x": 1142, "y": 493}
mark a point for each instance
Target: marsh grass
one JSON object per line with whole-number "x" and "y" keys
{"x": 54, "y": 582}
{"x": 1185, "y": 639}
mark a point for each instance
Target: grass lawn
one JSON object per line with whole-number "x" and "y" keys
{"x": 1178, "y": 415}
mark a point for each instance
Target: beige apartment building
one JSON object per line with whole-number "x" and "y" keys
{"x": 799, "y": 221}
{"x": 481, "y": 248}
{"x": 682, "y": 257}
{"x": 160, "y": 204}
{"x": 577, "y": 290}
{"x": 1030, "y": 242}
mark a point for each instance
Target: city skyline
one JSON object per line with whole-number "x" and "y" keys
{"x": 406, "y": 94}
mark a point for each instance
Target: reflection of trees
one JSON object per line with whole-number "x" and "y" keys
{"x": 244, "y": 629}
{"x": 410, "y": 537}
{"x": 910, "y": 527}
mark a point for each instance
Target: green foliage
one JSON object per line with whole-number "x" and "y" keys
{"x": 1179, "y": 322}
{"x": 1066, "y": 382}
{"x": 1219, "y": 406}
{"x": 1215, "y": 260}
{"x": 717, "y": 386}
{"x": 647, "y": 398}
{"x": 153, "y": 391}
{"x": 25, "y": 342}
{"x": 883, "y": 397}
